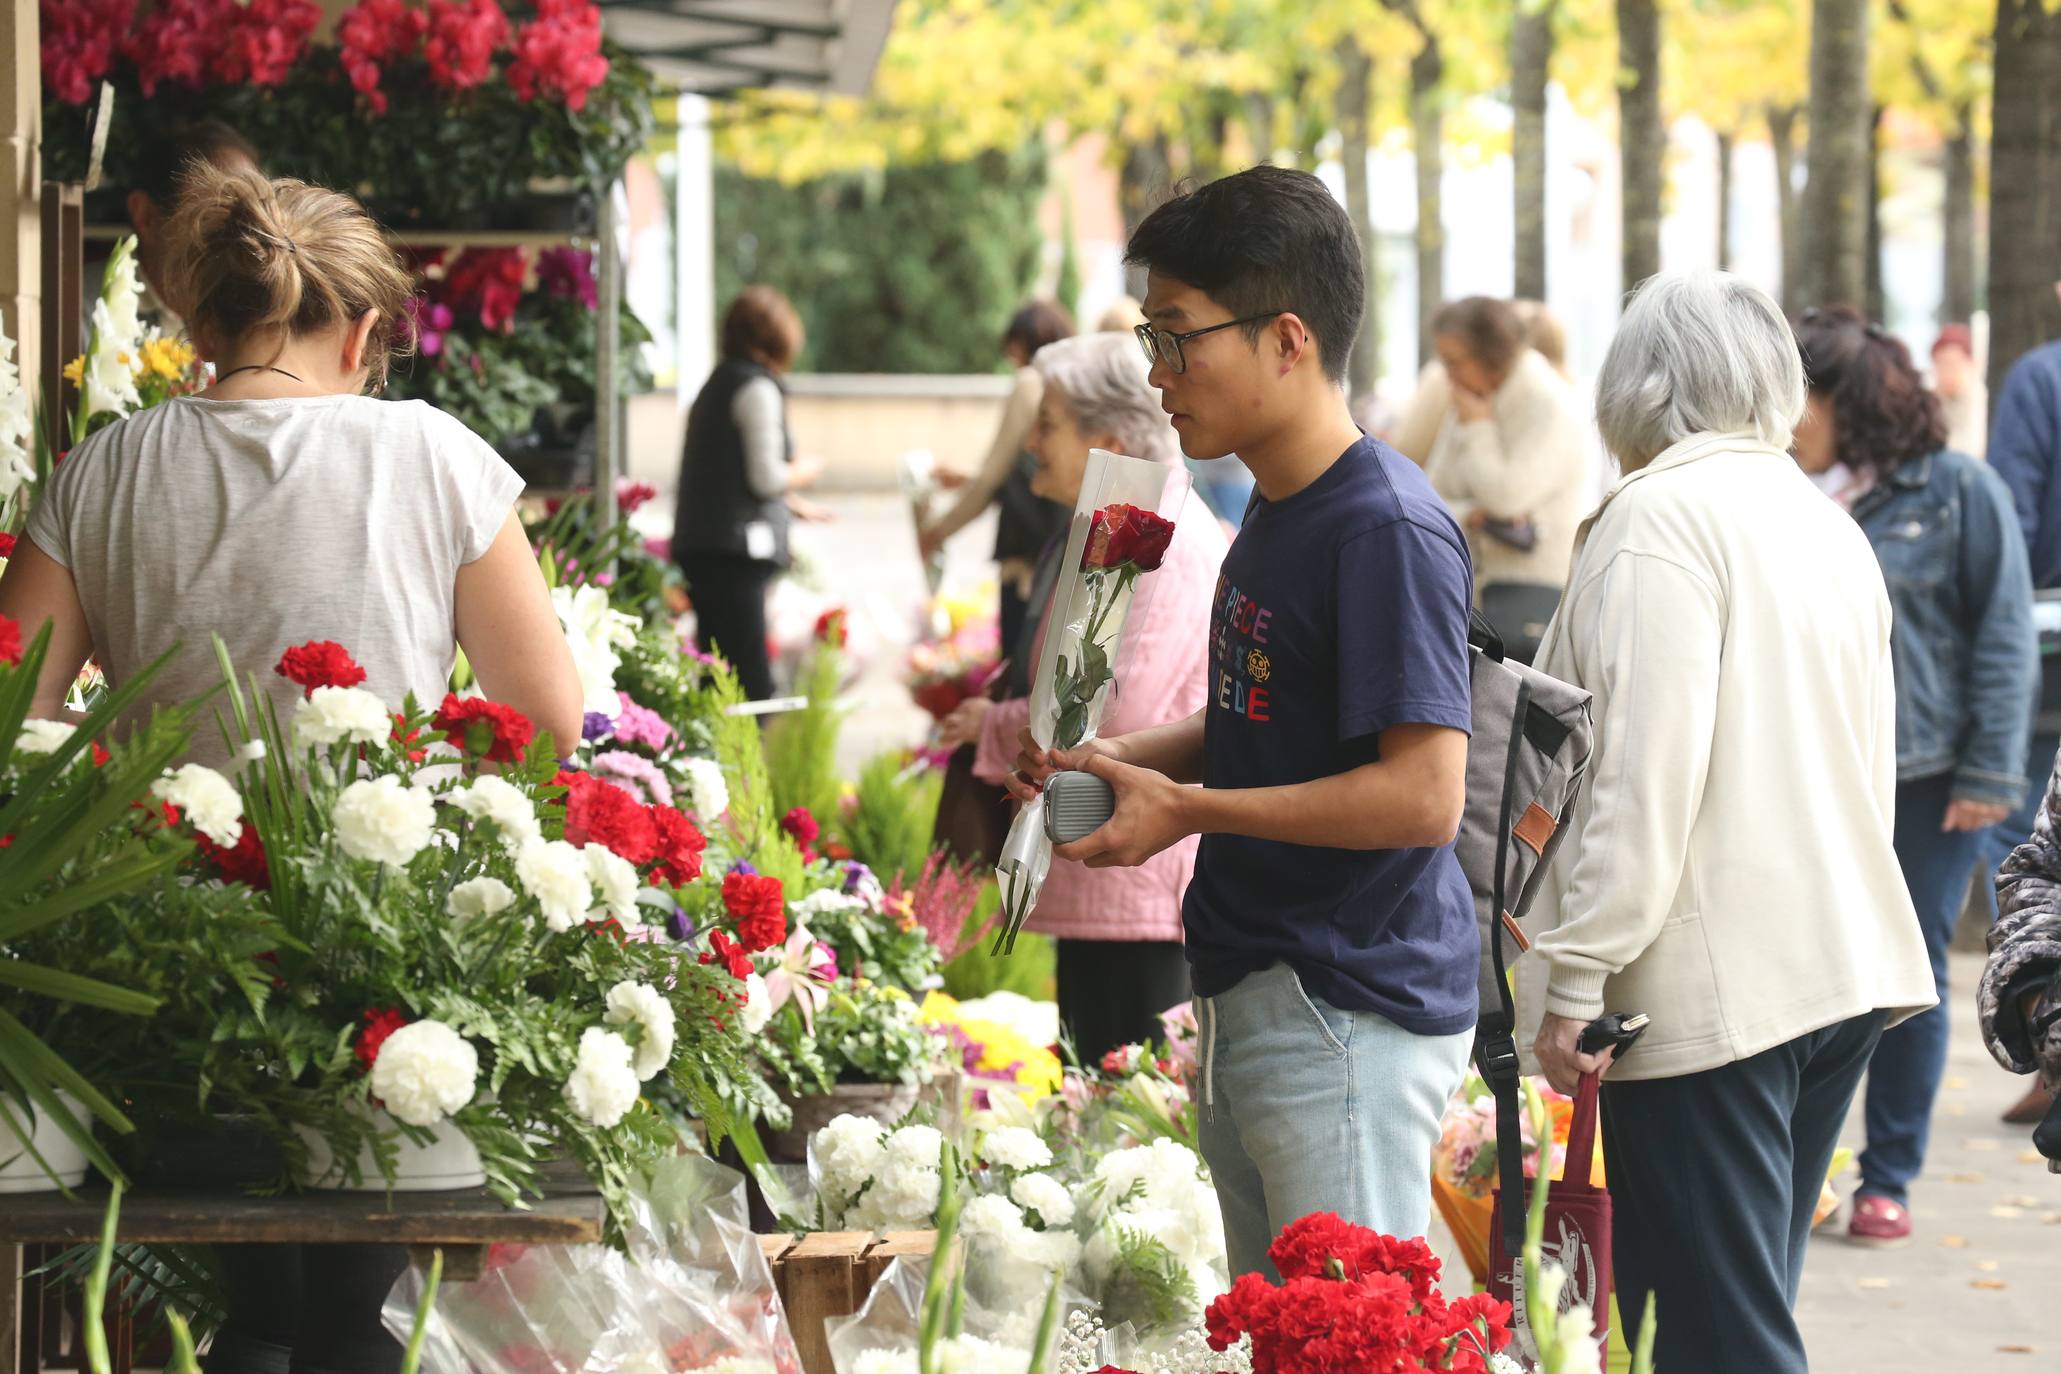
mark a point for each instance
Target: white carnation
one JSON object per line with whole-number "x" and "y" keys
{"x": 384, "y": 820}
{"x": 479, "y": 897}
{"x": 43, "y": 736}
{"x": 644, "y": 1006}
{"x": 711, "y": 790}
{"x": 916, "y": 1146}
{"x": 615, "y": 886}
{"x": 1045, "y": 1195}
{"x": 1013, "y": 1147}
{"x": 991, "y": 1217}
{"x": 495, "y": 799}
{"x": 1050, "y": 1250}
{"x": 758, "y": 1005}
{"x": 603, "y": 1086}
{"x": 339, "y": 715}
{"x": 848, "y": 1151}
{"x": 425, "y": 1072}
{"x": 904, "y": 1196}
{"x": 827, "y": 901}
{"x": 555, "y": 874}
{"x": 211, "y": 803}
{"x": 253, "y": 751}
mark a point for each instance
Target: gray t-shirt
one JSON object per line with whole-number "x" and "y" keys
{"x": 271, "y": 523}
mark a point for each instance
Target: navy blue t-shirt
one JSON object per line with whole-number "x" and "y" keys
{"x": 1341, "y": 611}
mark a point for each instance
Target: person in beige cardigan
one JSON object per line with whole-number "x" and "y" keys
{"x": 1729, "y": 870}
{"x": 1512, "y": 457}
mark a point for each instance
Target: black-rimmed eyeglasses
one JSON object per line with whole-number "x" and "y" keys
{"x": 1164, "y": 346}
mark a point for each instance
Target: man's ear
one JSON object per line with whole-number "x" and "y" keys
{"x": 1291, "y": 341}
{"x": 144, "y": 215}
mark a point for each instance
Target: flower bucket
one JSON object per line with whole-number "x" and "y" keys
{"x": 886, "y": 1103}
{"x": 449, "y": 1161}
{"x": 1467, "y": 1217}
{"x": 21, "y": 1126}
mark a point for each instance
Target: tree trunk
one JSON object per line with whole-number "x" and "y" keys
{"x": 1835, "y": 198}
{"x": 1641, "y": 137}
{"x": 2025, "y": 184}
{"x": 1782, "y": 134}
{"x": 1724, "y": 198}
{"x": 1427, "y": 128}
{"x": 1142, "y": 183}
{"x": 1259, "y": 125}
{"x": 1957, "y": 298}
{"x": 1355, "y": 83}
{"x": 1878, "y": 294}
{"x": 1531, "y": 58}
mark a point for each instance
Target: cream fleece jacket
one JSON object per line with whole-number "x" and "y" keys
{"x": 1729, "y": 869}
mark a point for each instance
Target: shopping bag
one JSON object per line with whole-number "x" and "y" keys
{"x": 1577, "y": 1232}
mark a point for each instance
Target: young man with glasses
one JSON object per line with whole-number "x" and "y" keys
{"x": 1330, "y": 930}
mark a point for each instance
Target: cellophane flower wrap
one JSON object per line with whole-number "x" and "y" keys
{"x": 1123, "y": 524}
{"x": 693, "y": 1293}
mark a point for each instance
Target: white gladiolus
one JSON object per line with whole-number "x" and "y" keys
{"x": 645, "y": 1007}
{"x": 479, "y": 897}
{"x": 342, "y": 715}
{"x": 384, "y": 820}
{"x": 758, "y": 1005}
{"x": 17, "y": 427}
{"x": 555, "y": 874}
{"x": 488, "y": 798}
{"x": 425, "y": 1072}
{"x": 711, "y": 790}
{"x": 603, "y": 1086}
{"x": 109, "y": 383}
{"x": 210, "y": 802}
{"x": 43, "y": 736}
{"x": 615, "y": 886}
{"x": 594, "y": 631}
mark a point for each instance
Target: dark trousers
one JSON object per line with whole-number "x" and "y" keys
{"x": 1904, "y": 1075}
{"x": 1713, "y": 1179}
{"x": 1014, "y": 613}
{"x": 1111, "y": 992}
{"x": 729, "y": 596}
{"x": 307, "y": 1308}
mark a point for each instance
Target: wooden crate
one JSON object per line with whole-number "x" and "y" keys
{"x": 829, "y": 1274}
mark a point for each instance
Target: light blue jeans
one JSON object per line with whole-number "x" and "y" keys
{"x": 1306, "y": 1108}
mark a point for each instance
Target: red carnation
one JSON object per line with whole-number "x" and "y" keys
{"x": 680, "y": 845}
{"x": 732, "y": 956}
{"x": 6, "y": 546}
{"x": 80, "y": 38}
{"x": 1122, "y": 534}
{"x": 801, "y": 827}
{"x": 319, "y": 663}
{"x": 484, "y": 729}
{"x": 244, "y": 863}
{"x": 598, "y": 812}
{"x": 379, "y": 1024}
{"x": 463, "y": 35}
{"x": 760, "y": 908}
{"x": 100, "y": 755}
{"x": 831, "y": 628}
{"x": 559, "y": 53}
{"x": 10, "y": 641}
{"x": 404, "y": 742}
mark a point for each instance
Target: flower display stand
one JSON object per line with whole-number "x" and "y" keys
{"x": 830, "y": 1274}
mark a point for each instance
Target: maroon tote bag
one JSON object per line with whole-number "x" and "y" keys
{"x": 1577, "y": 1235}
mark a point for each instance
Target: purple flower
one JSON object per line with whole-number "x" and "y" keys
{"x": 743, "y": 866}
{"x": 596, "y": 726}
{"x": 680, "y": 926}
{"x": 854, "y": 875}
{"x": 568, "y": 273}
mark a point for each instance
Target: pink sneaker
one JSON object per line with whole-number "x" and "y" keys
{"x": 1879, "y": 1222}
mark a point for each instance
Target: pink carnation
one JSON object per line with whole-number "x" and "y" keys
{"x": 641, "y": 725}
{"x": 635, "y": 774}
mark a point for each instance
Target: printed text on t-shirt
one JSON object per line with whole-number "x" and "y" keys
{"x": 1241, "y": 663}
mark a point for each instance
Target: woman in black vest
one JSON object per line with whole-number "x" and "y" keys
{"x": 737, "y": 479}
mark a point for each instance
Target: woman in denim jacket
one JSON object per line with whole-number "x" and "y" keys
{"x": 1967, "y": 669}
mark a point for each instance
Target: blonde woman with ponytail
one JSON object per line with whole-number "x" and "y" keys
{"x": 281, "y": 505}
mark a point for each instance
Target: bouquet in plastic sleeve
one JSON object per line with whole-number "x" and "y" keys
{"x": 692, "y": 1293}
{"x": 1122, "y": 525}
{"x": 920, "y": 486}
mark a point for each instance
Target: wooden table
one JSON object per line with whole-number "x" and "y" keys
{"x": 462, "y": 1224}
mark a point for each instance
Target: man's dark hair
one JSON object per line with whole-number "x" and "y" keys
{"x": 204, "y": 140}
{"x": 1035, "y": 324}
{"x": 1265, "y": 239}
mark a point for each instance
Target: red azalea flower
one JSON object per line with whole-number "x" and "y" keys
{"x": 245, "y": 863}
{"x": 10, "y": 641}
{"x": 463, "y": 36}
{"x": 79, "y": 42}
{"x": 733, "y": 957}
{"x": 484, "y": 729}
{"x": 831, "y": 628}
{"x": 599, "y": 812}
{"x": 801, "y": 827}
{"x": 761, "y": 910}
{"x": 680, "y": 845}
{"x": 1122, "y": 534}
{"x": 379, "y": 1024}
{"x": 560, "y": 53}
{"x": 377, "y": 31}
{"x": 319, "y": 663}
{"x": 264, "y": 39}
{"x": 6, "y": 546}
{"x": 403, "y": 741}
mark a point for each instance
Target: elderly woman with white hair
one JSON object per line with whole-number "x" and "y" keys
{"x": 1730, "y": 870}
{"x": 1119, "y": 929}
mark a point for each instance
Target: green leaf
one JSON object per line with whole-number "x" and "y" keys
{"x": 70, "y": 987}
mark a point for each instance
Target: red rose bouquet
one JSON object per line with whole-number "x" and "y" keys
{"x": 1118, "y": 536}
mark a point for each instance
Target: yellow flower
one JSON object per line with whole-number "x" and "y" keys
{"x": 75, "y": 371}
{"x": 167, "y": 358}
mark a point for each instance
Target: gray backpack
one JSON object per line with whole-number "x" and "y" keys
{"x": 1525, "y": 767}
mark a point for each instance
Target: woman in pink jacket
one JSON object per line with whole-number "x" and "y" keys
{"x": 1119, "y": 929}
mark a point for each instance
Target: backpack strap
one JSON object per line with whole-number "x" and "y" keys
{"x": 1483, "y": 636}
{"x": 1495, "y": 1042}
